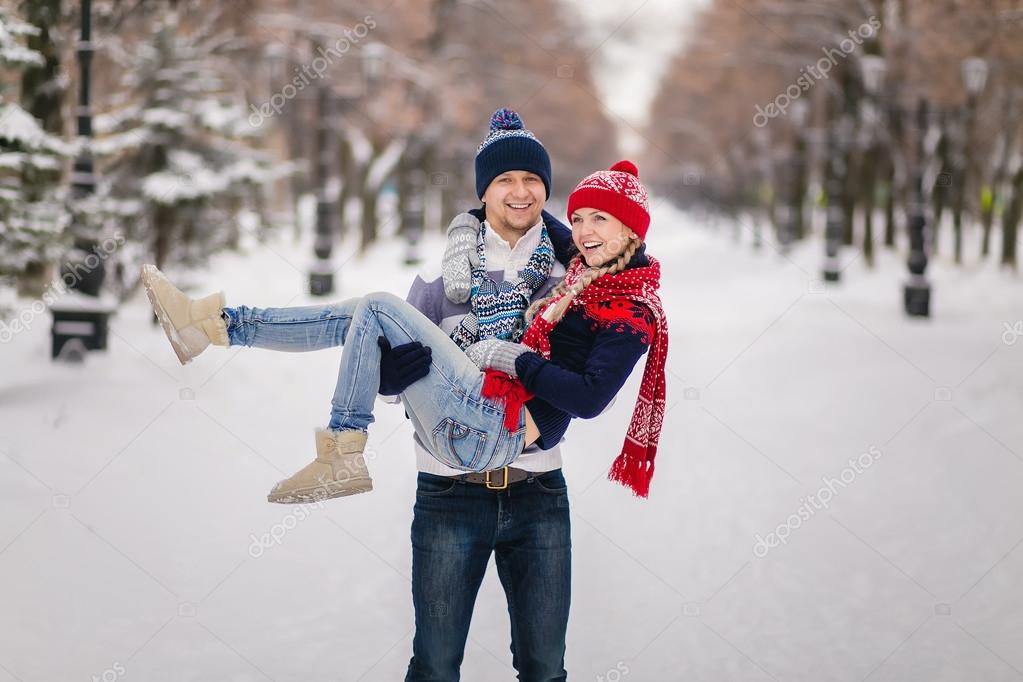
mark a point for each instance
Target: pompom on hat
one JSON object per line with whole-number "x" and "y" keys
{"x": 510, "y": 146}
{"x": 617, "y": 191}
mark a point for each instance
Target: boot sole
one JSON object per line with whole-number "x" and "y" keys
{"x": 321, "y": 492}
{"x": 148, "y": 272}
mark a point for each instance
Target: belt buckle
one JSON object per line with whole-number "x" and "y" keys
{"x": 496, "y": 487}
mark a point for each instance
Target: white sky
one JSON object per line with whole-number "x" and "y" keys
{"x": 628, "y": 66}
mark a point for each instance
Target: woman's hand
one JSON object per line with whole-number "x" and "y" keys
{"x": 496, "y": 354}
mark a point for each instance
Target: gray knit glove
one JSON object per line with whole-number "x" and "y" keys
{"x": 496, "y": 354}
{"x": 460, "y": 257}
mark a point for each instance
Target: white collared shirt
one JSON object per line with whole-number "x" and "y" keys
{"x": 499, "y": 252}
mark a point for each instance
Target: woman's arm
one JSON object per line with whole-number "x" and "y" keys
{"x": 584, "y": 394}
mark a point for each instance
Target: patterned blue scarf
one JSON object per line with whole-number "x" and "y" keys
{"x": 497, "y": 310}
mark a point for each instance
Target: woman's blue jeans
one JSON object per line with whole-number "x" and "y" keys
{"x": 459, "y": 427}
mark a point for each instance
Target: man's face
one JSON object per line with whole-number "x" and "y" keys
{"x": 514, "y": 201}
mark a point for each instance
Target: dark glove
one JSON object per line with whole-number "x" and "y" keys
{"x": 402, "y": 366}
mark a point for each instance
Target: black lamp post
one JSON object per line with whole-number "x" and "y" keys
{"x": 85, "y": 280}
{"x": 838, "y": 136}
{"x": 81, "y": 322}
{"x": 321, "y": 274}
{"x": 413, "y": 220}
{"x": 917, "y": 290}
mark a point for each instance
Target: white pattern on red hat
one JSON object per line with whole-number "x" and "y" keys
{"x": 617, "y": 191}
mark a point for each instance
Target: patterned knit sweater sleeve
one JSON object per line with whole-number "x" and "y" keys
{"x": 623, "y": 333}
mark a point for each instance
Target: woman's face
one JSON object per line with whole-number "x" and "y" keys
{"x": 599, "y": 236}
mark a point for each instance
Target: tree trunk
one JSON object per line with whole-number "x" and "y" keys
{"x": 41, "y": 94}
{"x": 867, "y": 198}
{"x": 368, "y": 195}
{"x": 300, "y": 180}
{"x": 848, "y": 198}
{"x": 431, "y": 178}
{"x": 368, "y": 227}
{"x": 404, "y": 186}
{"x": 889, "y": 204}
{"x": 799, "y": 189}
{"x": 1011, "y": 218}
{"x": 940, "y": 191}
{"x": 163, "y": 227}
{"x": 987, "y": 217}
{"x": 997, "y": 188}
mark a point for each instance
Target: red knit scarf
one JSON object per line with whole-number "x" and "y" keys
{"x": 634, "y": 466}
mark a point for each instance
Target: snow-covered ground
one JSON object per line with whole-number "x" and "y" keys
{"x": 133, "y": 492}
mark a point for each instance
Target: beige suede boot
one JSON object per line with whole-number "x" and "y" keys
{"x": 338, "y": 470}
{"x": 190, "y": 325}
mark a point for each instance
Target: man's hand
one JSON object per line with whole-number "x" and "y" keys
{"x": 496, "y": 354}
{"x": 460, "y": 257}
{"x": 402, "y": 366}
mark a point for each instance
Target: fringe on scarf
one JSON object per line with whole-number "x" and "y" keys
{"x": 633, "y": 470}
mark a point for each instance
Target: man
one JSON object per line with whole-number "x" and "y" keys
{"x": 520, "y": 512}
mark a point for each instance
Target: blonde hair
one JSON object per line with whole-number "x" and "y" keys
{"x": 588, "y": 276}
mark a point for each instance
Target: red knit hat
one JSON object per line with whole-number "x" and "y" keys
{"x": 617, "y": 191}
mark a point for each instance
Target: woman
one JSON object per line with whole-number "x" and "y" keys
{"x": 477, "y": 409}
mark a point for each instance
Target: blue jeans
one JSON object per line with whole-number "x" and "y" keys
{"x": 455, "y": 527}
{"x": 458, "y": 426}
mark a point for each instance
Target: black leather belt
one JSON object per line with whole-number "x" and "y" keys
{"x": 496, "y": 479}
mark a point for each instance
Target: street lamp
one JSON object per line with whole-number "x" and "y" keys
{"x": 838, "y": 137}
{"x": 873, "y": 69}
{"x": 321, "y": 273}
{"x": 276, "y": 56}
{"x": 83, "y": 177}
{"x": 81, "y": 323}
{"x": 974, "y": 75}
{"x": 374, "y": 61}
{"x": 917, "y": 290}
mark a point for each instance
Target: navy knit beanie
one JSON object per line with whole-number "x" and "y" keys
{"x": 507, "y": 147}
